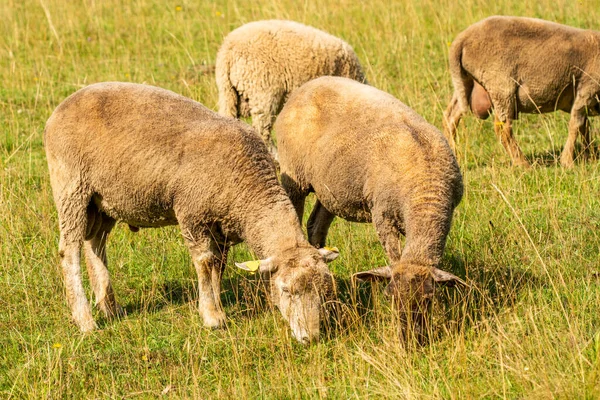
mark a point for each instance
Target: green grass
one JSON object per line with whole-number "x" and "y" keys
{"x": 527, "y": 241}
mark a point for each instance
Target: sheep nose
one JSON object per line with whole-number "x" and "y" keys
{"x": 305, "y": 340}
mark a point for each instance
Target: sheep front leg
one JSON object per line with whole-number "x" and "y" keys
{"x": 209, "y": 263}
{"x": 389, "y": 236}
{"x": 95, "y": 254}
{"x": 504, "y": 132}
{"x": 318, "y": 225}
{"x": 578, "y": 125}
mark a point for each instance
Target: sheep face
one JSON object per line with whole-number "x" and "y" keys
{"x": 411, "y": 288}
{"x": 300, "y": 283}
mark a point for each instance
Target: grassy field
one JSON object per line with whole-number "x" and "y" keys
{"x": 526, "y": 240}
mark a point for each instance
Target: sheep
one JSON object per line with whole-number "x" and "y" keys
{"x": 524, "y": 65}
{"x": 370, "y": 158}
{"x": 150, "y": 158}
{"x": 260, "y": 63}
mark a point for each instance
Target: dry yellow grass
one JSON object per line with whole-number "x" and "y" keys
{"x": 526, "y": 240}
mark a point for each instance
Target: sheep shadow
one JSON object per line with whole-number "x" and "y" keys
{"x": 492, "y": 288}
{"x": 245, "y": 297}
{"x": 454, "y": 310}
{"x": 550, "y": 158}
{"x": 240, "y": 295}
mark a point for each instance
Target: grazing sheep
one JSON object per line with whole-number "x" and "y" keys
{"x": 524, "y": 65}
{"x": 261, "y": 63}
{"x": 150, "y": 158}
{"x": 368, "y": 157}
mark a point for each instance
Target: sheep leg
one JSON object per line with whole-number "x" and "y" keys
{"x": 209, "y": 261}
{"x": 95, "y": 255}
{"x": 263, "y": 115}
{"x": 72, "y": 218}
{"x": 503, "y": 130}
{"x": 296, "y": 194}
{"x": 452, "y": 117}
{"x": 578, "y": 125}
{"x": 389, "y": 236}
{"x": 587, "y": 140}
{"x": 318, "y": 224}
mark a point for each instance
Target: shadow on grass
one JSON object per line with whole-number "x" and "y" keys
{"x": 492, "y": 289}
{"x": 552, "y": 157}
{"x": 454, "y": 310}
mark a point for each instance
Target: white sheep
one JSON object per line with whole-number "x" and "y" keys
{"x": 368, "y": 157}
{"x": 150, "y": 158}
{"x": 524, "y": 65}
{"x": 260, "y": 63}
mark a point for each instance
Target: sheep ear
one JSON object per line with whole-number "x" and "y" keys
{"x": 329, "y": 253}
{"x": 375, "y": 274}
{"x": 263, "y": 266}
{"x": 446, "y": 278}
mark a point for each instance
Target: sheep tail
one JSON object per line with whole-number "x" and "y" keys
{"x": 461, "y": 79}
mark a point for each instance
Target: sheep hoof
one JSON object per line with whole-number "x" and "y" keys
{"x": 215, "y": 321}
{"x": 522, "y": 164}
{"x": 87, "y": 326}
{"x": 566, "y": 162}
{"x": 111, "y": 310}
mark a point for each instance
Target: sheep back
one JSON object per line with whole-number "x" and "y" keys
{"x": 278, "y": 56}
{"x": 358, "y": 148}
{"x": 152, "y": 157}
{"x": 538, "y": 63}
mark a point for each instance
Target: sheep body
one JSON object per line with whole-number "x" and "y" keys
{"x": 260, "y": 63}
{"x": 525, "y": 65}
{"x": 149, "y": 157}
{"x": 370, "y": 158}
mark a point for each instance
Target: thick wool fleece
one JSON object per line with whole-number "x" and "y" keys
{"x": 369, "y": 157}
{"x": 524, "y": 65}
{"x": 150, "y": 157}
{"x": 259, "y": 64}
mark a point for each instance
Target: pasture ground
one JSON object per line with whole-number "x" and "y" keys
{"x": 527, "y": 240}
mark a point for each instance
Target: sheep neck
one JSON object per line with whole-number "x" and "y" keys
{"x": 271, "y": 227}
{"x": 426, "y": 239}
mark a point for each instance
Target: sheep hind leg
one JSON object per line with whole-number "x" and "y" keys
{"x": 318, "y": 224}
{"x": 578, "y": 125}
{"x": 72, "y": 217}
{"x": 263, "y": 115}
{"x": 503, "y": 130}
{"x": 588, "y": 150}
{"x": 95, "y": 257}
{"x": 209, "y": 260}
{"x": 295, "y": 192}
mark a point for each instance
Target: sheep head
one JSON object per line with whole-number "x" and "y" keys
{"x": 411, "y": 287}
{"x": 300, "y": 283}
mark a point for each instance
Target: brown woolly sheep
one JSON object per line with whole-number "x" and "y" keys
{"x": 260, "y": 63}
{"x": 368, "y": 157}
{"x": 150, "y": 157}
{"x": 524, "y": 65}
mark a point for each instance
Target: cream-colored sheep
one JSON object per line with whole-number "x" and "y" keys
{"x": 368, "y": 157}
{"x": 150, "y": 158}
{"x": 524, "y": 65}
{"x": 260, "y": 63}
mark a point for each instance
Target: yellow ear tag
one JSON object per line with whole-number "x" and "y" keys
{"x": 252, "y": 266}
{"x": 334, "y": 249}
